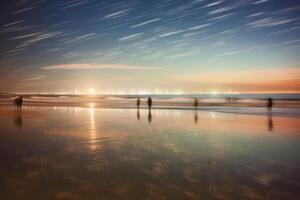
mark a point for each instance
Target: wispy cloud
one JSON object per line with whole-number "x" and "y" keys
{"x": 90, "y": 66}
{"x": 34, "y": 38}
{"x": 171, "y": 33}
{"x": 235, "y": 52}
{"x": 26, "y": 36}
{"x": 260, "y": 1}
{"x": 84, "y": 37}
{"x": 223, "y": 17}
{"x": 131, "y": 37}
{"x": 35, "y": 78}
{"x": 221, "y": 10}
{"x": 268, "y": 22}
{"x": 23, "y": 10}
{"x": 213, "y": 4}
{"x": 199, "y": 26}
{"x": 12, "y": 23}
{"x": 117, "y": 14}
{"x": 145, "y": 23}
{"x": 255, "y": 15}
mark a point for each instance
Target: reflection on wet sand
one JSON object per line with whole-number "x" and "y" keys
{"x": 149, "y": 116}
{"x": 18, "y": 120}
{"x": 195, "y": 117}
{"x": 227, "y": 157}
{"x": 270, "y": 122}
{"x": 138, "y": 116}
{"x": 92, "y": 132}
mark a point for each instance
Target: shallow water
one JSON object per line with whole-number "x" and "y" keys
{"x": 91, "y": 153}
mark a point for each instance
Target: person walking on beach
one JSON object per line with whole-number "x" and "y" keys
{"x": 196, "y": 102}
{"x": 270, "y": 105}
{"x": 138, "y": 102}
{"x": 19, "y": 102}
{"x": 149, "y": 103}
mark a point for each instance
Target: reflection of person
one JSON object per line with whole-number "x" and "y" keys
{"x": 149, "y": 102}
{"x": 196, "y": 102}
{"x": 270, "y": 105}
{"x": 138, "y": 102}
{"x": 18, "y": 120}
{"x": 138, "y": 116}
{"x": 149, "y": 116}
{"x": 270, "y": 123}
{"x": 196, "y": 117}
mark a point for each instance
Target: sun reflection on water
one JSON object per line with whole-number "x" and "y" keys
{"x": 92, "y": 130}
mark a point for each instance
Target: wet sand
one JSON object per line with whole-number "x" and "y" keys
{"x": 162, "y": 102}
{"x": 95, "y": 153}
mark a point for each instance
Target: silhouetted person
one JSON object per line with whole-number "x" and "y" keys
{"x": 18, "y": 102}
{"x": 149, "y": 103}
{"x": 138, "y": 116}
{"x": 270, "y": 105}
{"x": 196, "y": 102}
{"x": 149, "y": 116}
{"x": 138, "y": 102}
{"x": 21, "y": 102}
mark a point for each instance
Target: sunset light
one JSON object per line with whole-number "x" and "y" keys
{"x": 150, "y": 99}
{"x": 91, "y": 91}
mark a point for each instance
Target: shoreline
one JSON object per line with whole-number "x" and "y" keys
{"x": 239, "y": 110}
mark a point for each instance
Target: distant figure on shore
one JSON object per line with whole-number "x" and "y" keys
{"x": 149, "y": 103}
{"x": 270, "y": 105}
{"x": 138, "y": 102}
{"x": 196, "y": 102}
{"x": 231, "y": 99}
{"x": 19, "y": 102}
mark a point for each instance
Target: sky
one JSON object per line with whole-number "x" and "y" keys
{"x": 150, "y": 46}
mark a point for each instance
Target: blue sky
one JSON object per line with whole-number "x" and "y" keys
{"x": 146, "y": 46}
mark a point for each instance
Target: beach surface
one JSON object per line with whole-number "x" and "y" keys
{"x": 65, "y": 152}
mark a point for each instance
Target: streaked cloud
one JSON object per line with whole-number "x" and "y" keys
{"x": 23, "y": 10}
{"x": 34, "y": 38}
{"x": 117, "y": 14}
{"x": 221, "y": 10}
{"x": 213, "y": 4}
{"x": 269, "y": 22}
{"x": 199, "y": 26}
{"x": 183, "y": 37}
{"x": 12, "y": 23}
{"x": 260, "y": 1}
{"x": 89, "y": 66}
{"x": 170, "y": 33}
{"x": 35, "y": 78}
{"x": 145, "y": 23}
{"x": 131, "y": 37}
{"x": 84, "y": 37}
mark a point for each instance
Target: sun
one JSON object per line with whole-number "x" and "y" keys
{"x": 92, "y": 91}
{"x": 214, "y": 92}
